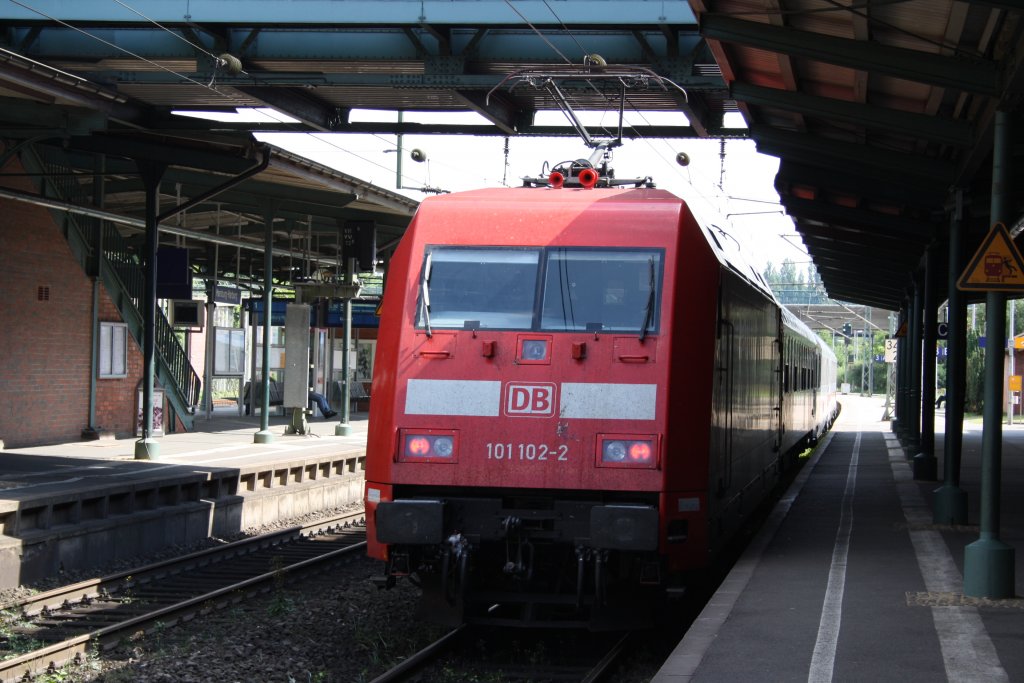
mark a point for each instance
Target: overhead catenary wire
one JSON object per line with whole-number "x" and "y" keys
{"x": 675, "y": 169}
{"x": 200, "y": 48}
{"x": 238, "y": 102}
{"x": 564, "y": 27}
{"x": 269, "y": 114}
{"x": 586, "y": 55}
{"x": 319, "y": 136}
{"x": 124, "y": 50}
{"x": 537, "y": 31}
{"x": 552, "y": 45}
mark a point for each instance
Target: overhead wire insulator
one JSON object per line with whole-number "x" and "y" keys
{"x": 230, "y": 63}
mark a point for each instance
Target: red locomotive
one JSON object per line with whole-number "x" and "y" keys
{"x": 579, "y": 393}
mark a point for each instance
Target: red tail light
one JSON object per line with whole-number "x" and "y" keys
{"x": 556, "y": 180}
{"x": 428, "y": 445}
{"x": 640, "y": 451}
{"x": 417, "y": 445}
{"x": 627, "y": 451}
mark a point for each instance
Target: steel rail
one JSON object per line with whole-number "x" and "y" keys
{"x": 604, "y": 666}
{"x": 420, "y": 659}
{"x": 93, "y": 588}
{"x": 75, "y": 648}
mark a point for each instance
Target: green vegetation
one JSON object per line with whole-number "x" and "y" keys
{"x": 854, "y": 350}
{"x": 280, "y": 604}
{"x": 12, "y": 642}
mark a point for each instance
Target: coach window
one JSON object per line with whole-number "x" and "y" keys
{"x": 478, "y": 287}
{"x": 113, "y": 350}
{"x": 614, "y": 290}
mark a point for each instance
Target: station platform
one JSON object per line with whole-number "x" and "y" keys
{"x": 849, "y": 579}
{"x": 73, "y": 506}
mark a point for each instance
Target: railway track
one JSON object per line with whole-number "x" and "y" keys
{"x": 589, "y": 664}
{"x": 67, "y": 622}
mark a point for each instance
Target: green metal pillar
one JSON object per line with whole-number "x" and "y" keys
{"x": 901, "y": 384}
{"x": 269, "y": 210}
{"x": 904, "y": 374}
{"x": 950, "y": 499}
{"x": 925, "y": 465}
{"x": 913, "y": 442}
{"x": 344, "y": 427}
{"x": 147, "y": 448}
{"x": 988, "y": 562}
{"x": 95, "y": 264}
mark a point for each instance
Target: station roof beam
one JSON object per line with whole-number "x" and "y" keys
{"x": 878, "y": 112}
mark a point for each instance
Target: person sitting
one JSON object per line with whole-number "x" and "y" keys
{"x": 321, "y": 402}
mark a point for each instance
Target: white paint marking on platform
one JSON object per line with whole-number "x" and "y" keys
{"x": 682, "y": 664}
{"x": 279, "y": 447}
{"x": 208, "y": 451}
{"x": 824, "y": 658}
{"x": 967, "y": 651}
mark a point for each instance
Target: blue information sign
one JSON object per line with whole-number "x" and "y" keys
{"x": 277, "y": 311}
{"x": 223, "y": 294}
{"x": 364, "y": 314}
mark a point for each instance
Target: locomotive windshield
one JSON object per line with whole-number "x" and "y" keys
{"x": 557, "y": 289}
{"x": 478, "y": 287}
{"x": 600, "y": 290}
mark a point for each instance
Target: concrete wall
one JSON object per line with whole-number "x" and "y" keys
{"x": 77, "y": 530}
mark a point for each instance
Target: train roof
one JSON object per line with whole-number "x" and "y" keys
{"x": 726, "y": 248}
{"x": 543, "y": 196}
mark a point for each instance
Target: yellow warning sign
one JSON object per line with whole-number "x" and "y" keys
{"x": 1014, "y": 382}
{"x": 997, "y": 266}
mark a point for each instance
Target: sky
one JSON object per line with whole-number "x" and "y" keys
{"x": 456, "y": 163}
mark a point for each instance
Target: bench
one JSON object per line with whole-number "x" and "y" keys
{"x": 276, "y": 395}
{"x": 358, "y": 394}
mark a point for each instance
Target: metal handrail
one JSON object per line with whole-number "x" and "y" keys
{"x": 125, "y": 265}
{"x": 129, "y": 271}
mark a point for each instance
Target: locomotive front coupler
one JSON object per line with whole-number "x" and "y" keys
{"x": 583, "y": 555}
{"x": 456, "y": 555}
{"x": 522, "y": 566}
{"x": 511, "y": 525}
{"x": 599, "y": 558}
{"x": 515, "y": 535}
{"x": 600, "y": 577}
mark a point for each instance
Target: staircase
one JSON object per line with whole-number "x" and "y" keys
{"x": 121, "y": 274}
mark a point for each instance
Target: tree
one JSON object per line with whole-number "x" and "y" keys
{"x": 975, "y": 385}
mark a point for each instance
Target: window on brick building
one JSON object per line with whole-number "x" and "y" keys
{"x": 113, "y": 350}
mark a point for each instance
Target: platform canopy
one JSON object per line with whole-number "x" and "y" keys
{"x": 878, "y": 111}
{"x": 314, "y": 61}
{"x": 116, "y": 79}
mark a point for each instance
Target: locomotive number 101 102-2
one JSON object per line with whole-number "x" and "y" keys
{"x": 527, "y": 452}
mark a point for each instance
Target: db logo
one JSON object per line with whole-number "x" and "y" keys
{"x": 529, "y": 400}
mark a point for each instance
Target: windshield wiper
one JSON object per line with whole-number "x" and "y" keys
{"x": 649, "y": 310}
{"x": 425, "y": 296}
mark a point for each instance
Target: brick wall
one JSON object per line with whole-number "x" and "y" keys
{"x": 116, "y": 397}
{"x": 45, "y": 332}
